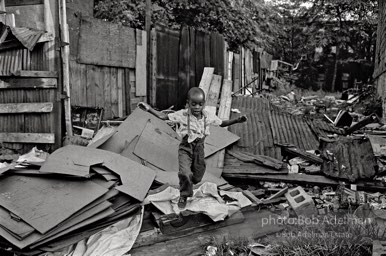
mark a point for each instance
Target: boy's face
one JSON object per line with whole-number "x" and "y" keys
{"x": 196, "y": 104}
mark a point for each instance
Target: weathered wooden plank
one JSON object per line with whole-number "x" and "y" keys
{"x": 28, "y": 83}
{"x": 225, "y": 100}
{"x": 152, "y": 77}
{"x": 107, "y": 93}
{"x": 91, "y": 85}
{"x": 107, "y": 44}
{"x": 114, "y": 92}
{"x": 236, "y": 73}
{"x": 140, "y": 66}
{"x": 47, "y": 138}
{"x": 206, "y": 79}
{"x": 36, "y": 73}
{"x": 213, "y": 94}
{"x": 44, "y": 107}
{"x": 224, "y": 112}
{"x": 127, "y": 89}
{"x": 22, "y": 2}
{"x": 99, "y": 99}
{"x": 120, "y": 91}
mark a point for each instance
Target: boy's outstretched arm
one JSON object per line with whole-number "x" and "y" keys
{"x": 152, "y": 111}
{"x": 241, "y": 119}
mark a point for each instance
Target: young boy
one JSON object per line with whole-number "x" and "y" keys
{"x": 192, "y": 126}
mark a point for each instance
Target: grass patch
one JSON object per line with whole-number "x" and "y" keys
{"x": 331, "y": 235}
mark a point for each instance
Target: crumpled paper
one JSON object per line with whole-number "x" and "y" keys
{"x": 206, "y": 200}
{"x": 114, "y": 240}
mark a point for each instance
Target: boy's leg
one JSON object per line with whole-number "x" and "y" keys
{"x": 198, "y": 165}
{"x": 185, "y": 173}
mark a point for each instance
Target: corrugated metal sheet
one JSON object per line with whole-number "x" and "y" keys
{"x": 290, "y": 129}
{"x": 27, "y": 36}
{"x": 322, "y": 128}
{"x": 255, "y": 135}
{"x": 268, "y": 127}
{"x": 22, "y": 59}
{"x": 348, "y": 158}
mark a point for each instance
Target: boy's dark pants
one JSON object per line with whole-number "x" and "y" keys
{"x": 191, "y": 160}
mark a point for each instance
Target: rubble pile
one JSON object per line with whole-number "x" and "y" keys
{"x": 126, "y": 178}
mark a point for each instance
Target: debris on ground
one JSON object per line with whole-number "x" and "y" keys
{"x": 299, "y": 157}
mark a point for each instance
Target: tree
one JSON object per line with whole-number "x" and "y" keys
{"x": 343, "y": 29}
{"x": 242, "y": 23}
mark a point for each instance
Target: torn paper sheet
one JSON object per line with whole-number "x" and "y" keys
{"x": 205, "y": 200}
{"x": 34, "y": 156}
{"x": 115, "y": 240}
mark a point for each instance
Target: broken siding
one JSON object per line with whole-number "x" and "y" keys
{"x": 348, "y": 158}
{"x": 268, "y": 127}
{"x": 22, "y": 59}
{"x": 290, "y": 129}
{"x": 255, "y": 135}
{"x": 104, "y": 87}
{"x": 323, "y": 129}
{"x": 27, "y": 36}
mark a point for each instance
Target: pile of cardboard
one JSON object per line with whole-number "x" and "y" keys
{"x": 75, "y": 193}
{"x": 79, "y": 190}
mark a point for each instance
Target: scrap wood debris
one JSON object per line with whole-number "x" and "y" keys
{"x": 291, "y": 164}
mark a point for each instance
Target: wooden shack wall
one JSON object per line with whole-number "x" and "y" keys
{"x": 31, "y": 125}
{"x": 110, "y": 87}
{"x": 99, "y": 86}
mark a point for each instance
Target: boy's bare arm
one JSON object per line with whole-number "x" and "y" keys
{"x": 241, "y": 119}
{"x": 152, "y": 111}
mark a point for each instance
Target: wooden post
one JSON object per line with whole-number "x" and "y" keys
{"x": 65, "y": 52}
{"x": 149, "y": 53}
{"x": 242, "y": 57}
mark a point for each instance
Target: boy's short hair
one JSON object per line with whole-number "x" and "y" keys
{"x": 195, "y": 91}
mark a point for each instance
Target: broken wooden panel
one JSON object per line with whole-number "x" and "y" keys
{"x": 348, "y": 158}
{"x": 36, "y": 73}
{"x": 293, "y": 151}
{"x": 76, "y": 161}
{"x": 288, "y": 129}
{"x": 214, "y": 93}
{"x": 256, "y": 135}
{"x": 47, "y": 138}
{"x": 206, "y": 79}
{"x": 8, "y": 108}
{"x": 28, "y": 83}
{"x": 236, "y": 167}
{"x": 22, "y": 2}
{"x": 378, "y": 143}
{"x": 257, "y": 159}
{"x": 218, "y": 139}
{"x": 106, "y": 44}
{"x": 158, "y": 148}
{"x": 27, "y": 197}
{"x": 140, "y": 66}
{"x": 133, "y": 126}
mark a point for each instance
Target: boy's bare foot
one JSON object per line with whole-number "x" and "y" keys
{"x": 182, "y": 202}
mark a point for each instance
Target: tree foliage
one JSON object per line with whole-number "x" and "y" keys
{"x": 243, "y": 23}
{"x": 348, "y": 24}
